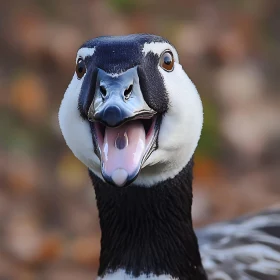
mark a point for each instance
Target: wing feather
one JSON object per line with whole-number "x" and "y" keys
{"x": 247, "y": 248}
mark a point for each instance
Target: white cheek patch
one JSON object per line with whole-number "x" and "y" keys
{"x": 158, "y": 48}
{"x": 84, "y": 52}
{"x": 179, "y": 131}
{"x": 76, "y": 131}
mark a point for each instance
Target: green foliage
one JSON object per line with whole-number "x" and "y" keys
{"x": 124, "y": 5}
{"x": 209, "y": 142}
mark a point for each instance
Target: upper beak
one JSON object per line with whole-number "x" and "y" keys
{"x": 118, "y": 99}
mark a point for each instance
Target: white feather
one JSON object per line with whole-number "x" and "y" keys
{"x": 158, "y": 48}
{"x": 85, "y": 52}
{"x": 76, "y": 131}
{"x": 122, "y": 275}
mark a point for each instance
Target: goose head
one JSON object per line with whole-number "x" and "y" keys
{"x": 131, "y": 114}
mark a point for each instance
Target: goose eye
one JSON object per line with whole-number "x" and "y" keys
{"x": 80, "y": 68}
{"x": 167, "y": 61}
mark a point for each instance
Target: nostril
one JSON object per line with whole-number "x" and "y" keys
{"x": 103, "y": 91}
{"x": 128, "y": 91}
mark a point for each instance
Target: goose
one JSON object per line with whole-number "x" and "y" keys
{"x": 133, "y": 117}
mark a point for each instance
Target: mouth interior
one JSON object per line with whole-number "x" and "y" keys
{"x": 148, "y": 125}
{"x": 123, "y": 148}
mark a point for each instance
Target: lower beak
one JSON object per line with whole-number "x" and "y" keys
{"x": 124, "y": 149}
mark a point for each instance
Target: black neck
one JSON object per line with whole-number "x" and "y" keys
{"x": 149, "y": 230}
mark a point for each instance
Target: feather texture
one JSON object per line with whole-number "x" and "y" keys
{"x": 246, "y": 248}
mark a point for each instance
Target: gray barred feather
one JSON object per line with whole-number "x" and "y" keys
{"x": 247, "y": 248}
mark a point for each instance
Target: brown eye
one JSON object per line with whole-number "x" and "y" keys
{"x": 167, "y": 61}
{"x": 80, "y": 68}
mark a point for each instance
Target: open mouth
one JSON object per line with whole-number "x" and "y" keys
{"x": 122, "y": 150}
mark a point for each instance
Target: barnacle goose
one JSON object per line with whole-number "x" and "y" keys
{"x": 133, "y": 117}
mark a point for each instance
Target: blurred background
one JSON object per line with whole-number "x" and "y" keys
{"x": 230, "y": 49}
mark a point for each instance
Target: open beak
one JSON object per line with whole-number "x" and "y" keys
{"x": 124, "y": 127}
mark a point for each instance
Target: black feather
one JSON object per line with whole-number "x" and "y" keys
{"x": 149, "y": 230}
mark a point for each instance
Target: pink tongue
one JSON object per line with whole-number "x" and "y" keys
{"x": 122, "y": 151}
